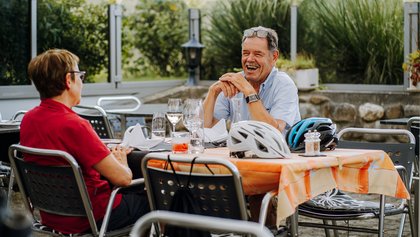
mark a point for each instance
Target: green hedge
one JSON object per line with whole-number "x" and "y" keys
{"x": 228, "y": 20}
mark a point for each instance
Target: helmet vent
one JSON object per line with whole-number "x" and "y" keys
{"x": 259, "y": 133}
{"x": 261, "y": 147}
{"x": 235, "y": 140}
{"x": 244, "y": 135}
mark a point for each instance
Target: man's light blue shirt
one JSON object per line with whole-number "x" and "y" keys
{"x": 278, "y": 94}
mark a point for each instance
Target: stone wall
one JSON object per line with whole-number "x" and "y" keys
{"x": 360, "y": 109}
{"x": 345, "y": 108}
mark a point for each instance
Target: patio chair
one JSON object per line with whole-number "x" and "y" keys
{"x": 58, "y": 189}
{"x": 198, "y": 222}
{"x": 118, "y": 104}
{"x": 218, "y": 195}
{"x": 337, "y": 206}
{"x": 413, "y": 125}
{"x": 98, "y": 118}
{"x": 19, "y": 115}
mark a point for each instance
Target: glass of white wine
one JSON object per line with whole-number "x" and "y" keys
{"x": 174, "y": 113}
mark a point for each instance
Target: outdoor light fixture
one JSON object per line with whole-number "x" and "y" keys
{"x": 192, "y": 50}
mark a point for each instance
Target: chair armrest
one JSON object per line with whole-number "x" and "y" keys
{"x": 264, "y": 206}
{"x": 115, "y": 191}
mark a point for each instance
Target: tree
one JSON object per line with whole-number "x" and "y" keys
{"x": 160, "y": 29}
{"x": 14, "y": 41}
{"x": 78, "y": 27}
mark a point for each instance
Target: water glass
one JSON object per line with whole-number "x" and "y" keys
{"x": 236, "y": 109}
{"x": 180, "y": 142}
{"x": 158, "y": 126}
{"x": 193, "y": 118}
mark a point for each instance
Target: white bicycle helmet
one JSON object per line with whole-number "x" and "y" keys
{"x": 254, "y": 138}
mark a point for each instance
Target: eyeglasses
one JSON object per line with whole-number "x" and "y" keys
{"x": 258, "y": 33}
{"x": 82, "y": 74}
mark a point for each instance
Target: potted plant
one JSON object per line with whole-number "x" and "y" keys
{"x": 412, "y": 66}
{"x": 303, "y": 71}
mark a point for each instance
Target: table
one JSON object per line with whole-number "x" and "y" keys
{"x": 397, "y": 121}
{"x": 8, "y": 135}
{"x": 302, "y": 178}
{"x": 145, "y": 110}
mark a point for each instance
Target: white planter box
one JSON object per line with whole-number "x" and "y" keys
{"x": 413, "y": 88}
{"x": 305, "y": 79}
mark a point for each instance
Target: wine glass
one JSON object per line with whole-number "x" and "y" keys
{"x": 174, "y": 113}
{"x": 193, "y": 117}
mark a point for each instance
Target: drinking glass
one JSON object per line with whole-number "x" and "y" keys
{"x": 193, "y": 118}
{"x": 236, "y": 113}
{"x": 174, "y": 113}
{"x": 158, "y": 126}
{"x": 180, "y": 142}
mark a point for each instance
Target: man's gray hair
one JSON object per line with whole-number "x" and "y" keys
{"x": 263, "y": 32}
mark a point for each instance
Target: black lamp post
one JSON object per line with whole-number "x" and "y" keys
{"x": 192, "y": 51}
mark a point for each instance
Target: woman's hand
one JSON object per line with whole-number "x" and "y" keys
{"x": 120, "y": 153}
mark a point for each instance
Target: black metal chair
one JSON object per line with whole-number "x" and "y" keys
{"x": 8, "y": 136}
{"x": 198, "y": 222}
{"x": 98, "y": 118}
{"x": 19, "y": 115}
{"x": 119, "y": 103}
{"x": 413, "y": 125}
{"x": 58, "y": 189}
{"x": 218, "y": 195}
{"x": 337, "y": 206}
{"x": 125, "y": 103}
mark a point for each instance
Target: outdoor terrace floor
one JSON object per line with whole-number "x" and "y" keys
{"x": 391, "y": 223}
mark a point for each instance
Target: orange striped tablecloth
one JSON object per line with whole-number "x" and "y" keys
{"x": 302, "y": 178}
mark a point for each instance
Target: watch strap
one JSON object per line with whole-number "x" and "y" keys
{"x": 252, "y": 98}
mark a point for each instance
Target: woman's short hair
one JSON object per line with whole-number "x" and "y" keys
{"x": 263, "y": 32}
{"x": 48, "y": 71}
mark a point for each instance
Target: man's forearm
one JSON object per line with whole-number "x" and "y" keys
{"x": 259, "y": 113}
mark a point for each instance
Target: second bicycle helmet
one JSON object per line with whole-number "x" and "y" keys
{"x": 254, "y": 138}
{"x": 327, "y": 129}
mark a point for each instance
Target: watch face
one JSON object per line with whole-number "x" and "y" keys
{"x": 252, "y": 98}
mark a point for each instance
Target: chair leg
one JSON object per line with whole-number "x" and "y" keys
{"x": 381, "y": 216}
{"x": 402, "y": 223}
{"x": 294, "y": 224}
{"x": 416, "y": 203}
{"x": 413, "y": 225}
{"x": 326, "y": 230}
{"x": 335, "y": 231}
{"x": 10, "y": 188}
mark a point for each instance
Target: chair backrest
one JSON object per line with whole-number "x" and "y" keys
{"x": 400, "y": 153}
{"x": 198, "y": 222}
{"x": 54, "y": 189}
{"x": 19, "y": 115}
{"x": 413, "y": 125}
{"x": 119, "y": 103}
{"x": 98, "y": 118}
{"x": 218, "y": 195}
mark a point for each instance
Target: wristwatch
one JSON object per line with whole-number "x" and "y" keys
{"x": 252, "y": 98}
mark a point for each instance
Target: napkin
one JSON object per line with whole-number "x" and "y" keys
{"x": 134, "y": 137}
{"x": 217, "y": 133}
